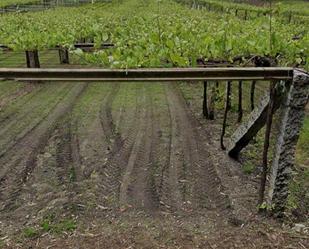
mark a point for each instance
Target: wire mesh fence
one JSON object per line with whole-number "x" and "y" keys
{"x": 45, "y": 4}
{"x": 48, "y": 59}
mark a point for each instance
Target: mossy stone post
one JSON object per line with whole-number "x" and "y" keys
{"x": 291, "y": 122}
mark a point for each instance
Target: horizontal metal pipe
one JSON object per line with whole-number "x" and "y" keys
{"x": 149, "y": 74}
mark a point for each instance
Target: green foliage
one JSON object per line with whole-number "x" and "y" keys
{"x": 265, "y": 207}
{"x": 30, "y": 232}
{"x": 4, "y": 3}
{"x": 72, "y": 174}
{"x": 164, "y": 34}
{"x": 303, "y": 144}
{"x": 50, "y": 224}
{"x": 248, "y": 167}
{"x": 297, "y": 8}
{"x": 67, "y": 225}
{"x": 299, "y": 198}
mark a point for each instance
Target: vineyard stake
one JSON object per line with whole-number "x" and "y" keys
{"x": 227, "y": 107}
{"x": 269, "y": 118}
{"x": 205, "y": 107}
{"x": 240, "y": 110}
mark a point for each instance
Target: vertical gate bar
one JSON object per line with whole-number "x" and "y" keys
{"x": 227, "y": 108}
{"x": 205, "y": 99}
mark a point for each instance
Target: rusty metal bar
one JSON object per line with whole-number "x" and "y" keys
{"x": 86, "y": 45}
{"x": 154, "y": 74}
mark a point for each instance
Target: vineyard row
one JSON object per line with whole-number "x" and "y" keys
{"x": 155, "y": 34}
{"x": 246, "y": 12}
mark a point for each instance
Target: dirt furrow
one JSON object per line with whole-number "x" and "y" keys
{"x": 10, "y": 112}
{"x": 106, "y": 114}
{"x": 207, "y": 188}
{"x": 49, "y": 189}
{"x": 19, "y": 169}
{"x": 93, "y": 137}
{"x": 110, "y": 173}
{"x": 123, "y": 195}
{"x": 19, "y": 93}
{"x": 27, "y": 116}
{"x": 163, "y": 153}
{"x": 183, "y": 154}
{"x": 137, "y": 186}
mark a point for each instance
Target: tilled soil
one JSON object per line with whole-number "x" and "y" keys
{"x": 117, "y": 159}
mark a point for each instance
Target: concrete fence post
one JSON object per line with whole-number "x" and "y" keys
{"x": 291, "y": 122}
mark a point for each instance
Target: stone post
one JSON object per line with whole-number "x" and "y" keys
{"x": 291, "y": 122}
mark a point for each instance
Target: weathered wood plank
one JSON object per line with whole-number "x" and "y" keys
{"x": 247, "y": 130}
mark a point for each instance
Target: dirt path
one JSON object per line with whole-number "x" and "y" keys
{"x": 20, "y": 160}
{"x": 110, "y": 157}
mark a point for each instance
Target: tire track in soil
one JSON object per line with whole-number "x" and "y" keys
{"x": 206, "y": 191}
{"x": 111, "y": 172}
{"x": 8, "y": 99}
{"x": 101, "y": 141}
{"x": 138, "y": 184}
{"x": 189, "y": 181}
{"x": 15, "y": 118}
{"x": 89, "y": 153}
{"x": 23, "y": 101}
{"x": 90, "y": 146}
{"x": 50, "y": 185}
{"x": 162, "y": 183}
{"x": 22, "y": 164}
{"x": 98, "y": 146}
{"x": 36, "y": 121}
{"x": 106, "y": 118}
{"x": 183, "y": 154}
{"x": 59, "y": 179}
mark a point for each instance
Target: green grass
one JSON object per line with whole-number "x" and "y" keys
{"x": 302, "y": 152}
{"x": 30, "y": 232}
{"x": 50, "y": 225}
{"x": 248, "y": 168}
{"x": 7, "y": 88}
{"x": 39, "y": 106}
{"x": 299, "y": 198}
{"x": 66, "y": 225}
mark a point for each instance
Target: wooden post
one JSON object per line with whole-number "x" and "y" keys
{"x": 291, "y": 123}
{"x": 246, "y": 131}
{"x": 32, "y": 58}
{"x": 64, "y": 56}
